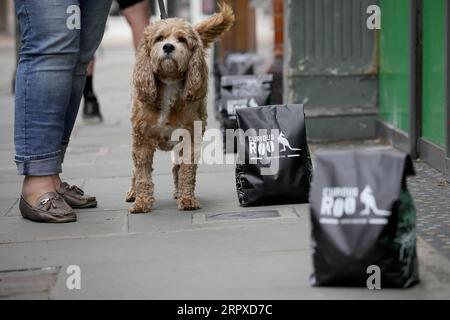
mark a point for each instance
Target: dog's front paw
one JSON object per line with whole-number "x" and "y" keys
{"x": 141, "y": 207}
{"x": 131, "y": 196}
{"x": 188, "y": 204}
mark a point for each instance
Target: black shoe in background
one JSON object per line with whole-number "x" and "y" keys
{"x": 91, "y": 109}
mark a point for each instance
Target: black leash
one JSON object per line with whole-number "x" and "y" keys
{"x": 162, "y": 8}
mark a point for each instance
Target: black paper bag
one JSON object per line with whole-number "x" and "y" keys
{"x": 235, "y": 64}
{"x": 274, "y": 161}
{"x": 363, "y": 217}
{"x": 239, "y": 92}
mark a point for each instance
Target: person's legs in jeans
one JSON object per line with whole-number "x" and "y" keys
{"x": 50, "y": 80}
{"x": 48, "y": 57}
{"x": 93, "y": 16}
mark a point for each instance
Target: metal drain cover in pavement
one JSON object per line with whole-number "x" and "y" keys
{"x": 242, "y": 215}
{"x": 28, "y": 283}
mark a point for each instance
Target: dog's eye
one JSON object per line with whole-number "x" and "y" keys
{"x": 159, "y": 39}
{"x": 182, "y": 40}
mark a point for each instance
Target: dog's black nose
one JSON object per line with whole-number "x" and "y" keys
{"x": 168, "y": 48}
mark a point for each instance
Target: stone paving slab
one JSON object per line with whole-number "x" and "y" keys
{"x": 8, "y": 175}
{"x": 11, "y": 190}
{"x": 16, "y": 229}
{"x": 6, "y": 205}
{"x": 35, "y": 284}
{"x": 87, "y": 172}
{"x": 265, "y": 261}
{"x": 432, "y": 198}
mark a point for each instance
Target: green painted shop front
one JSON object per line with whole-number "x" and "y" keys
{"x": 394, "y": 64}
{"x": 413, "y": 85}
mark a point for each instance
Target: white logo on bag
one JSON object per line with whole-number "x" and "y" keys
{"x": 368, "y": 200}
{"x": 285, "y": 143}
{"x": 264, "y": 146}
{"x": 339, "y": 207}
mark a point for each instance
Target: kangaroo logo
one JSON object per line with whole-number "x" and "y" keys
{"x": 252, "y": 103}
{"x": 368, "y": 200}
{"x": 285, "y": 143}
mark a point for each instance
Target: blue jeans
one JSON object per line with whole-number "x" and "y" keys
{"x": 51, "y": 75}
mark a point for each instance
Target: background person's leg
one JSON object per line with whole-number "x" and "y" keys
{"x": 91, "y": 107}
{"x": 93, "y": 19}
{"x": 44, "y": 77}
{"x": 138, "y": 17}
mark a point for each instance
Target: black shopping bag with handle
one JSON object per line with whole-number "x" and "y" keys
{"x": 274, "y": 164}
{"x": 363, "y": 220}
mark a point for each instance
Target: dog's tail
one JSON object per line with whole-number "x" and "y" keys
{"x": 213, "y": 27}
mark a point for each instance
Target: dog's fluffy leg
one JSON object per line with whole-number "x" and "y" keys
{"x": 187, "y": 175}
{"x": 131, "y": 195}
{"x": 186, "y": 185}
{"x": 175, "y": 172}
{"x": 143, "y": 164}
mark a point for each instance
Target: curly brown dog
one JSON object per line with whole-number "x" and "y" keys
{"x": 170, "y": 83}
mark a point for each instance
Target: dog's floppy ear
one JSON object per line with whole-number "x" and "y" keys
{"x": 143, "y": 78}
{"x": 196, "y": 75}
{"x": 213, "y": 27}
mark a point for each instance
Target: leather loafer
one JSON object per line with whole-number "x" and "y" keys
{"x": 75, "y": 197}
{"x": 49, "y": 208}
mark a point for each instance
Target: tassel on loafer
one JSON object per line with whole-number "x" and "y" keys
{"x": 75, "y": 197}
